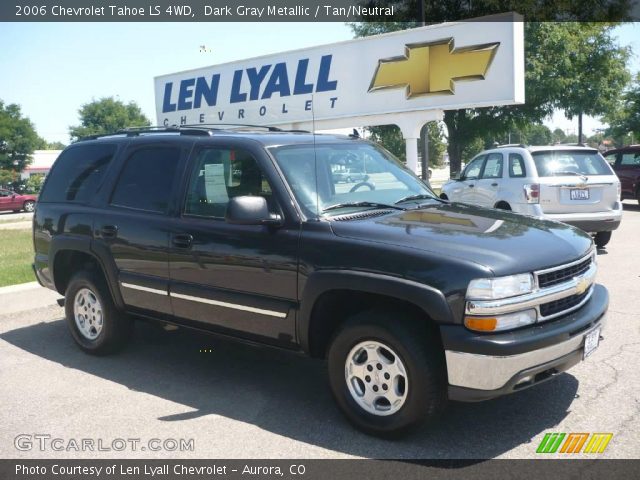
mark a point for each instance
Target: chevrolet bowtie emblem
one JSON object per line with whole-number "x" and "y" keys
{"x": 433, "y": 67}
{"x": 582, "y": 285}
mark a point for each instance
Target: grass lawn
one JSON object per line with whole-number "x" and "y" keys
{"x": 16, "y": 255}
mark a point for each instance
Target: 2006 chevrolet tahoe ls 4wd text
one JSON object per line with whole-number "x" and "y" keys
{"x": 412, "y": 300}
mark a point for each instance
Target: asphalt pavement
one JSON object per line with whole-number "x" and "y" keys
{"x": 238, "y": 401}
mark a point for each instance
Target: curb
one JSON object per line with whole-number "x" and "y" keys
{"x": 21, "y": 287}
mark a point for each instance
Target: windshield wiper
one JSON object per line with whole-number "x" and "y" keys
{"x": 418, "y": 196}
{"x": 361, "y": 204}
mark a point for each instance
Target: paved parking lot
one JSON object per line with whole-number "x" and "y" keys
{"x": 239, "y": 401}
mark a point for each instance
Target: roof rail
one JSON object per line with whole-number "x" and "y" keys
{"x": 507, "y": 145}
{"x": 136, "y": 131}
{"x": 205, "y": 125}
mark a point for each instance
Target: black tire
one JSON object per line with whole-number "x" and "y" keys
{"x": 116, "y": 326}
{"x": 602, "y": 238}
{"x": 443, "y": 196}
{"x": 419, "y": 350}
{"x": 29, "y": 206}
{"x": 503, "y": 206}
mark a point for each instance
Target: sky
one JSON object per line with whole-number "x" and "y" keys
{"x": 52, "y": 69}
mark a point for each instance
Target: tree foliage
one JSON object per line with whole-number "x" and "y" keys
{"x": 625, "y": 117}
{"x": 390, "y": 137}
{"x": 18, "y": 139}
{"x": 107, "y": 115}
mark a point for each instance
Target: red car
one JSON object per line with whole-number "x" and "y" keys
{"x": 626, "y": 163}
{"x": 14, "y": 201}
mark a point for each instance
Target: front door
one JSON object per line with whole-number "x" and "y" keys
{"x": 237, "y": 279}
{"x": 465, "y": 189}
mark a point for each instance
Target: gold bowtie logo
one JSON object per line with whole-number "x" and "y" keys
{"x": 432, "y": 68}
{"x": 582, "y": 285}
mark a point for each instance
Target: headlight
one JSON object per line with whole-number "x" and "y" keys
{"x": 501, "y": 322}
{"x": 500, "y": 287}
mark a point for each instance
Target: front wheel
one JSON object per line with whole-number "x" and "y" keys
{"x": 29, "y": 206}
{"x": 602, "y": 238}
{"x": 386, "y": 375}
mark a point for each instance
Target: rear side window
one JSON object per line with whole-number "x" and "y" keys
{"x": 146, "y": 179}
{"x": 632, "y": 158}
{"x": 557, "y": 163}
{"x": 516, "y": 166}
{"x": 77, "y": 173}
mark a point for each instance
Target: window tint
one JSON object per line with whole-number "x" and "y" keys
{"x": 516, "y": 165}
{"x": 630, "y": 159}
{"x": 77, "y": 173}
{"x": 219, "y": 174}
{"x": 146, "y": 179}
{"x": 493, "y": 166}
{"x": 554, "y": 163}
{"x": 5, "y": 193}
{"x": 473, "y": 169}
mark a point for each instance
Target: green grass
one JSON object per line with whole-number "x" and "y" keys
{"x": 16, "y": 255}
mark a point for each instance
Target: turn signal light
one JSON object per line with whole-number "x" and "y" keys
{"x": 481, "y": 324}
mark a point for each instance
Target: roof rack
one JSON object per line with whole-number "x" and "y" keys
{"x": 136, "y": 131}
{"x": 507, "y": 145}
{"x": 196, "y": 125}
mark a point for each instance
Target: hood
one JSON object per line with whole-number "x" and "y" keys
{"x": 504, "y": 242}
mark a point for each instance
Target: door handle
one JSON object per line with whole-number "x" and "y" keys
{"x": 494, "y": 184}
{"x": 182, "y": 240}
{"x": 109, "y": 231}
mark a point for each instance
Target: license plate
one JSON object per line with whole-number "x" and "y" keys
{"x": 579, "y": 194}
{"x": 591, "y": 341}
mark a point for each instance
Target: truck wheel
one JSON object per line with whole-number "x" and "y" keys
{"x": 385, "y": 375}
{"x": 29, "y": 206}
{"x": 602, "y": 238}
{"x": 93, "y": 319}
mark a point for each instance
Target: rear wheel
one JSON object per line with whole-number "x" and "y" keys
{"x": 386, "y": 375}
{"x": 602, "y": 238}
{"x": 503, "y": 206}
{"x": 29, "y": 206}
{"x": 443, "y": 196}
{"x": 93, "y": 319}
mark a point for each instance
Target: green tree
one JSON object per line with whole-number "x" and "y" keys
{"x": 107, "y": 115}
{"x": 18, "y": 139}
{"x": 624, "y": 120}
{"x": 558, "y": 135}
{"x": 34, "y": 183}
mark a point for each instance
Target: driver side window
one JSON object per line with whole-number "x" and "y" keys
{"x": 472, "y": 171}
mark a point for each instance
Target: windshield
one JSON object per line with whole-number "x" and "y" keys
{"x": 555, "y": 163}
{"x": 333, "y": 179}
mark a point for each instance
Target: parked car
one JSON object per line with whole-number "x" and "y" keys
{"x": 349, "y": 175}
{"x": 626, "y": 164}
{"x": 15, "y": 201}
{"x": 412, "y": 300}
{"x": 569, "y": 184}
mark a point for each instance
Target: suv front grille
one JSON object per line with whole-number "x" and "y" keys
{"x": 561, "y": 275}
{"x": 567, "y": 303}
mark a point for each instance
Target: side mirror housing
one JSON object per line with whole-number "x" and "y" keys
{"x": 250, "y": 210}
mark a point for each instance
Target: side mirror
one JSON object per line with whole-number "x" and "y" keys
{"x": 456, "y": 176}
{"x": 250, "y": 210}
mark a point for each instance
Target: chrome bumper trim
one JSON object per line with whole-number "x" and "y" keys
{"x": 485, "y": 372}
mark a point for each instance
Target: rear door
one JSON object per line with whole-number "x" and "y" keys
{"x": 236, "y": 279}
{"x": 6, "y": 200}
{"x": 487, "y": 186}
{"x": 134, "y": 227}
{"x": 575, "y": 181}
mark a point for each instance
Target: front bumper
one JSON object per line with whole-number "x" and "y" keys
{"x": 482, "y": 366}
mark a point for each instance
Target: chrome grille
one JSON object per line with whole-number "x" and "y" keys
{"x": 563, "y": 274}
{"x": 564, "y": 304}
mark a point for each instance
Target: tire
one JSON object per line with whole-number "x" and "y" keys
{"x": 422, "y": 395}
{"x": 88, "y": 296}
{"x": 443, "y": 196}
{"x": 29, "y": 206}
{"x": 602, "y": 238}
{"x": 503, "y": 206}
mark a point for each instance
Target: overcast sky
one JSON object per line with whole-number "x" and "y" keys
{"x": 51, "y": 69}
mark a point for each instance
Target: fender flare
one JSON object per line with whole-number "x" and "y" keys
{"x": 428, "y": 299}
{"x": 84, "y": 244}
